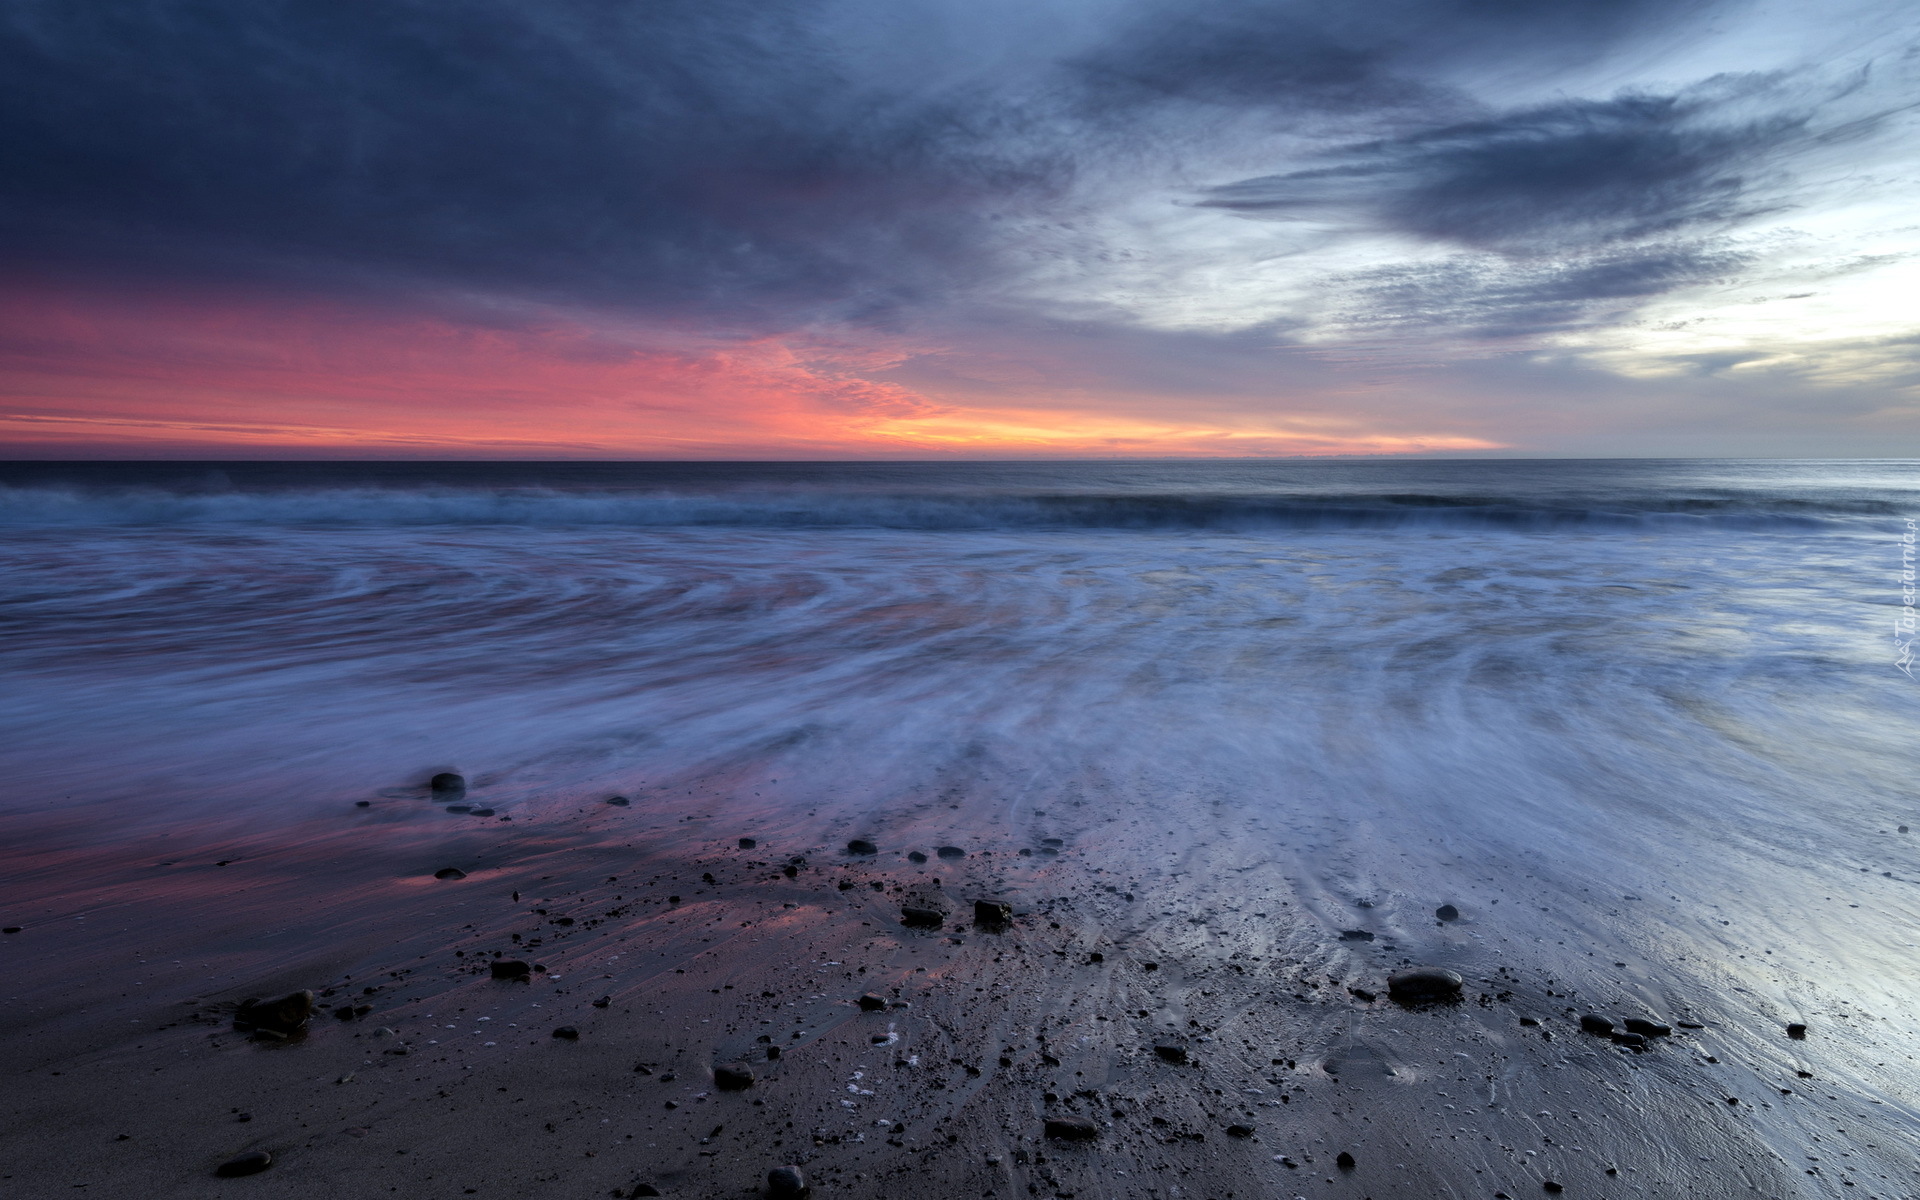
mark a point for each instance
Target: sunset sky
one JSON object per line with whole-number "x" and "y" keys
{"x": 934, "y": 228}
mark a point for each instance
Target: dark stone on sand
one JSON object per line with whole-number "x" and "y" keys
{"x": 1596, "y": 1024}
{"x": 1631, "y": 1040}
{"x": 922, "y": 918}
{"x": 1344, "y": 1161}
{"x": 567, "y": 1033}
{"x": 1240, "y": 1131}
{"x": 603, "y": 1001}
{"x": 618, "y": 801}
{"x": 510, "y": 968}
{"x": 284, "y": 1016}
{"x": 1171, "y": 1053}
{"x": 643, "y": 1189}
{"x": 1797, "y": 1031}
{"x": 11, "y": 929}
{"x": 1356, "y": 935}
{"x": 363, "y": 804}
{"x": 251, "y": 1163}
{"x": 449, "y": 873}
{"x": 482, "y": 812}
{"x": 733, "y": 1077}
{"x": 992, "y": 912}
{"x": 951, "y": 852}
{"x": 786, "y": 1181}
{"x": 459, "y": 808}
{"x": 914, "y": 856}
{"x": 748, "y": 843}
{"x": 1416, "y": 984}
{"x": 1072, "y": 1129}
{"x": 1051, "y": 842}
{"x": 446, "y": 783}
{"x": 1361, "y": 994}
{"x": 862, "y": 846}
{"x": 1149, "y": 966}
{"x": 1026, "y": 852}
{"x": 1447, "y": 912}
{"x": 872, "y": 1003}
{"x": 1551, "y": 1186}
{"x": 1646, "y": 1028}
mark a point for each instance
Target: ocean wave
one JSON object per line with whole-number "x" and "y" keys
{"x": 27, "y": 507}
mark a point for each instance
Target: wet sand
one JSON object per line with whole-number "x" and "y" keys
{"x": 1194, "y": 923}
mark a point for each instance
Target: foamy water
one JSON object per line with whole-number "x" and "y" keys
{"x": 1641, "y": 715}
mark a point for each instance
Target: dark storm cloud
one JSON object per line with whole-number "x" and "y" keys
{"x": 1573, "y": 173}
{"x": 718, "y": 156}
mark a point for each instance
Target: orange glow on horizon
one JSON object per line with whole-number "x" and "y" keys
{"x": 173, "y": 376}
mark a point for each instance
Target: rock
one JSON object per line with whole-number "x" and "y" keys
{"x": 284, "y": 1016}
{"x": 1596, "y": 1024}
{"x": 618, "y": 801}
{"x": 1447, "y": 912}
{"x": 872, "y": 1003}
{"x": 1633, "y": 1041}
{"x": 1072, "y": 1129}
{"x": 1240, "y": 1131}
{"x": 914, "y": 856}
{"x": 363, "y": 804}
{"x": 1171, "y": 1053}
{"x": 1646, "y": 1028}
{"x": 643, "y": 1189}
{"x": 511, "y": 968}
{"x": 1797, "y": 1032}
{"x": 11, "y": 929}
{"x": 1416, "y": 984}
{"x": 482, "y": 812}
{"x": 251, "y": 1163}
{"x": 1551, "y": 1186}
{"x": 1051, "y": 842}
{"x": 922, "y": 918}
{"x": 449, "y": 873}
{"x": 992, "y": 912}
{"x": 862, "y": 846}
{"x": 748, "y": 843}
{"x": 567, "y": 1033}
{"x": 951, "y": 852}
{"x": 1356, "y": 935}
{"x": 603, "y": 1001}
{"x": 1344, "y": 1161}
{"x": 1361, "y": 994}
{"x": 733, "y": 1077}
{"x": 786, "y": 1181}
{"x": 446, "y": 783}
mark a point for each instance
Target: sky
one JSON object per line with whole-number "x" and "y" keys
{"x": 793, "y": 229}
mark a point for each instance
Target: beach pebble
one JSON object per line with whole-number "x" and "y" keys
{"x": 1170, "y": 1053}
{"x": 951, "y": 852}
{"x": 1551, "y": 1186}
{"x": 1072, "y": 1129}
{"x": 1344, "y": 1161}
{"x": 511, "y": 968}
{"x": 786, "y": 1181}
{"x": 643, "y": 1189}
{"x": 618, "y": 801}
{"x": 449, "y": 873}
{"x": 1633, "y": 1040}
{"x": 922, "y": 918}
{"x": 1240, "y": 1131}
{"x": 482, "y": 812}
{"x": 1797, "y": 1031}
{"x": 446, "y": 782}
{"x": 1594, "y": 1023}
{"x": 914, "y": 856}
{"x": 1447, "y": 912}
{"x": 1646, "y": 1028}
{"x": 363, "y": 804}
{"x": 862, "y": 846}
{"x": 872, "y": 1003}
{"x": 992, "y": 912}
{"x": 567, "y": 1033}
{"x": 748, "y": 843}
{"x": 283, "y": 1016}
{"x": 733, "y": 1076}
{"x": 11, "y": 929}
{"x": 603, "y": 1001}
{"x": 1424, "y": 983}
{"x": 1356, "y": 935}
{"x": 251, "y": 1163}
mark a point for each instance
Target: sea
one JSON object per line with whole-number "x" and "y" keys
{"x": 1655, "y": 710}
